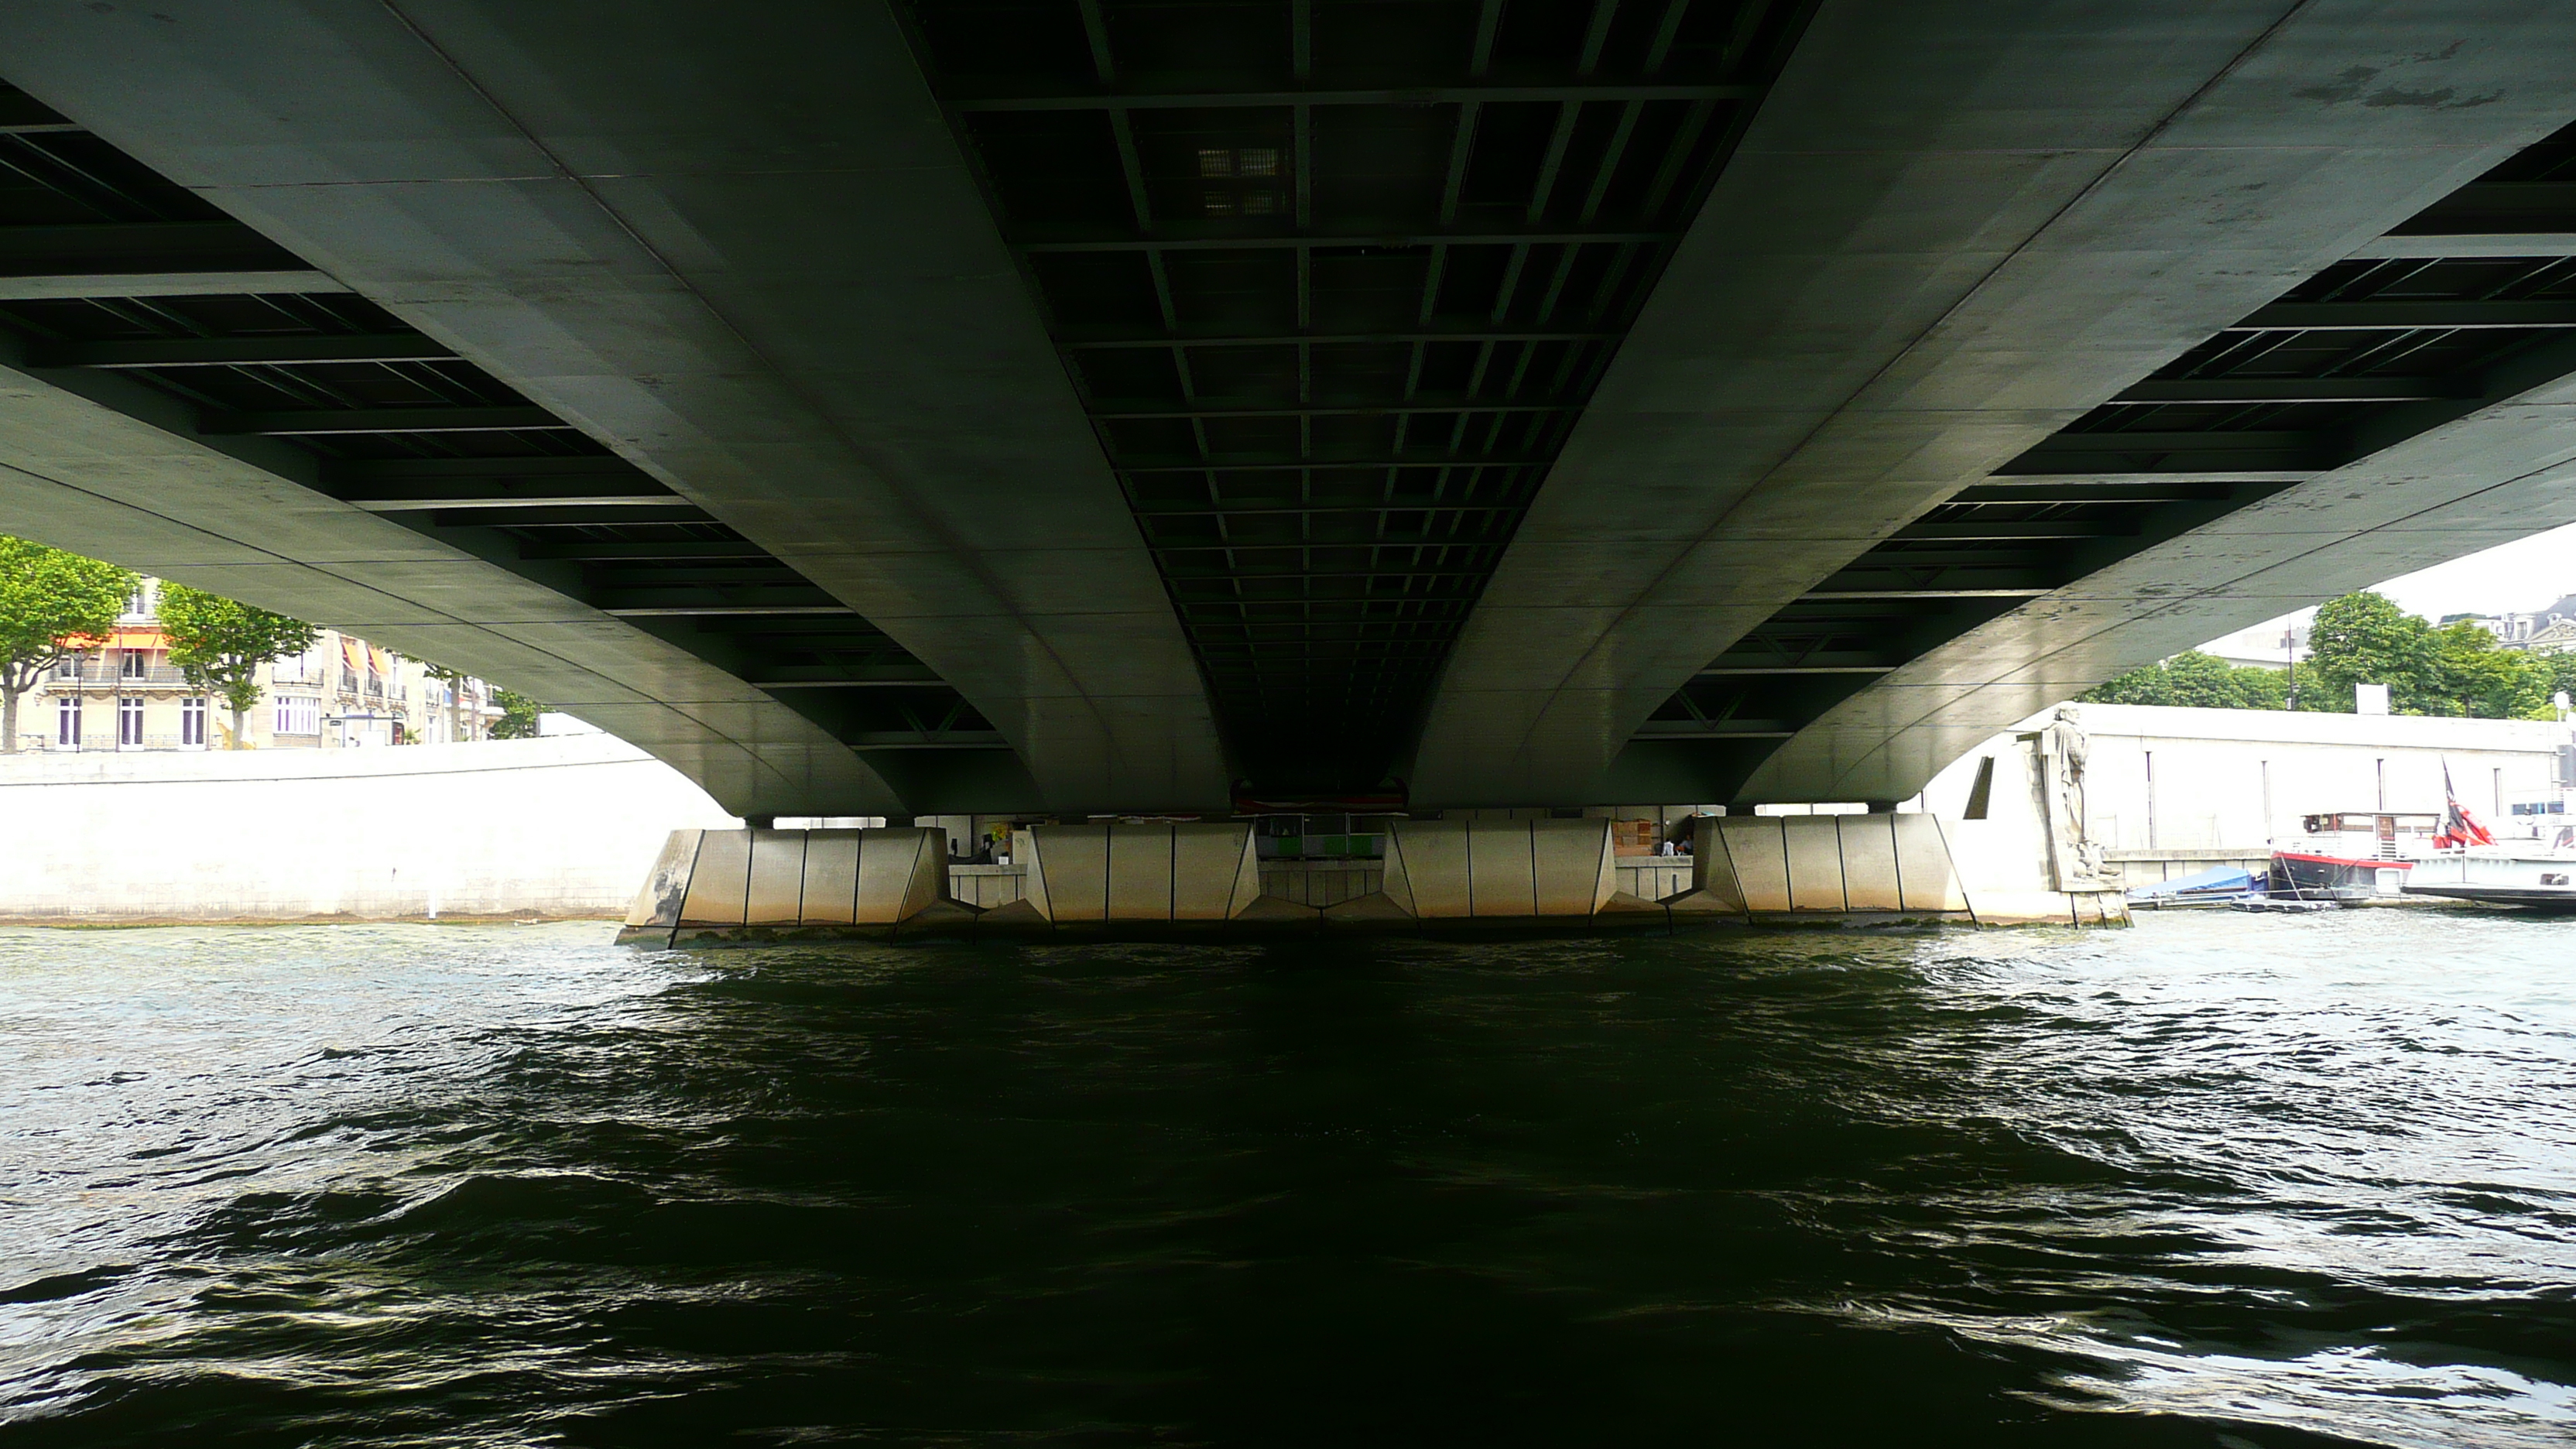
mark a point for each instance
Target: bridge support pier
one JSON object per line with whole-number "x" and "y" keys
{"x": 1439, "y": 876}
{"x": 760, "y": 883}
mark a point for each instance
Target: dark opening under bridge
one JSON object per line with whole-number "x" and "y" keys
{"x": 1109, "y": 405}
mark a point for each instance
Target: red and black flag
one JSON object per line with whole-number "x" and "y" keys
{"x": 2460, "y": 829}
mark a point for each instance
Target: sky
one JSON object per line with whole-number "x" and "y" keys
{"x": 2518, "y": 577}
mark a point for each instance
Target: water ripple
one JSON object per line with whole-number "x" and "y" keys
{"x": 2218, "y": 1180}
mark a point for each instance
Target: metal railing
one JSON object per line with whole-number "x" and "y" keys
{"x": 108, "y": 679}
{"x": 34, "y": 743}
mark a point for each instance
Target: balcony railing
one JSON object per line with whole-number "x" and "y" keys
{"x": 108, "y": 681}
{"x": 33, "y": 742}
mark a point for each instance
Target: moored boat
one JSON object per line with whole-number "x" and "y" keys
{"x": 2469, "y": 865}
{"x": 2217, "y": 886}
{"x": 2535, "y": 881}
{"x": 2315, "y": 876}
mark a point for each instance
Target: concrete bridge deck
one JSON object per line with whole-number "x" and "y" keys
{"x": 1084, "y": 406}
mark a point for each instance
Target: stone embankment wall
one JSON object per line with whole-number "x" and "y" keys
{"x": 564, "y": 826}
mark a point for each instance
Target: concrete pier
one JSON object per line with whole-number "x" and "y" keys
{"x": 1163, "y": 878}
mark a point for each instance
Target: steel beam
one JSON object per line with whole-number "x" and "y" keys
{"x": 316, "y": 422}
{"x": 2433, "y": 245}
{"x": 243, "y": 351}
{"x": 2293, "y": 390}
{"x": 1209, "y": 96}
{"x": 2376, "y": 316}
{"x": 148, "y": 259}
{"x": 1459, "y": 333}
{"x": 1229, "y": 236}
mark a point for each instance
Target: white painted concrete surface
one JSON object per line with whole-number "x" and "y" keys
{"x": 2232, "y": 780}
{"x": 563, "y": 826}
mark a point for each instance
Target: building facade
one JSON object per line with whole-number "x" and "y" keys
{"x": 343, "y": 693}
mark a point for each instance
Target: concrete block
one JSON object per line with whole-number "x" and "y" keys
{"x": 1759, "y": 858}
{"x": 1216, "y": 875}
{"x": 1576, "y": 872}
{"x": 1019, "y": 917}
{"x": 902, "y": 872}
{"x": 1074, "y": 860}
{"x": 1815, "y": 851}
{"x": 1426, "y": 868}
{"x": 720, "y": 886}
{"x": 1271, "y": 910}
{"x": 1713, "y": 887}
{"x": 1203, "y": 871}
{"x": 1139, "y": 873}
{"x": 1497, "y": 868}
{"x": 1378, "y": 908}
{"x": 666, "y": 885}
{"x": 1033, "y": 891}
{"x": 831, "y": 878}
{"x": 776, "y": 894}
{"x": 1870, "y": 881}
{"x": 1927, "y": 878}
{"x": 1626, "y": 910}
{"x": 1502, "y": 878}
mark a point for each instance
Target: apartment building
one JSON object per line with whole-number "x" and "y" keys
{"x": 343, "y": 693}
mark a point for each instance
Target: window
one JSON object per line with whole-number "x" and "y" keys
{"x": 67, "y": 720}
{"x": 135, "y": 603}
{"x": 192, "y": 721}
{"x": 133, "y": 663}
{"x": 298, "y": 714}
{"x": 129, "y": 720}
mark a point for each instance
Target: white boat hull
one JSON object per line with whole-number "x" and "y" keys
{"x": 2536, "y": 882}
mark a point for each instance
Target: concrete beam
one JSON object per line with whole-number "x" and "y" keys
{"x": 1952, "y": 229}
{"x": 742, "y": 249}
{"x": 2504, "y": 471}
{"x": 96, "y": 463}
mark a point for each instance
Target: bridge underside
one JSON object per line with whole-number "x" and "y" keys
{"x": 1079, "y": 406}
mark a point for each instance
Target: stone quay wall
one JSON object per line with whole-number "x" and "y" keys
{"x": 555, "y": 827}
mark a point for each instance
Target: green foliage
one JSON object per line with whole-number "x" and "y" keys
{"x": 220, "y": 644}
{"x": 2456, "y": 670}
{"x": 2365, "y": 639}
{"x": 518, "y": 719}
{"x": 51, "y": 603}
{"x": 2475, "y": 679}
{"x": 2198, "y": 680}
{"x": 2551, "y": 674}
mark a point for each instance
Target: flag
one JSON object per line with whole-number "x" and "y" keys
{"x": 2460, "y": 829}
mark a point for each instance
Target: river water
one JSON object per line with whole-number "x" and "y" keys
{"x": 2219, "y": 1180}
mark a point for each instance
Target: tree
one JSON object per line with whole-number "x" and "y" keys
{"x": 219, "y": 644}
{"x": 52, "y": 603}
{"x": 2551, "y": 674}
{"x": 518, "y": 716}
{"x": 2364, "y": 639}
{"x": 2475, "y": 678}
{"x": 2195, "y": 679}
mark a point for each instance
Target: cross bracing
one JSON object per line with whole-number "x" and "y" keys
{"x": 2475, "y": 305}
{"x": 1334, "y": 282}
{"x": 105, "y": 266}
